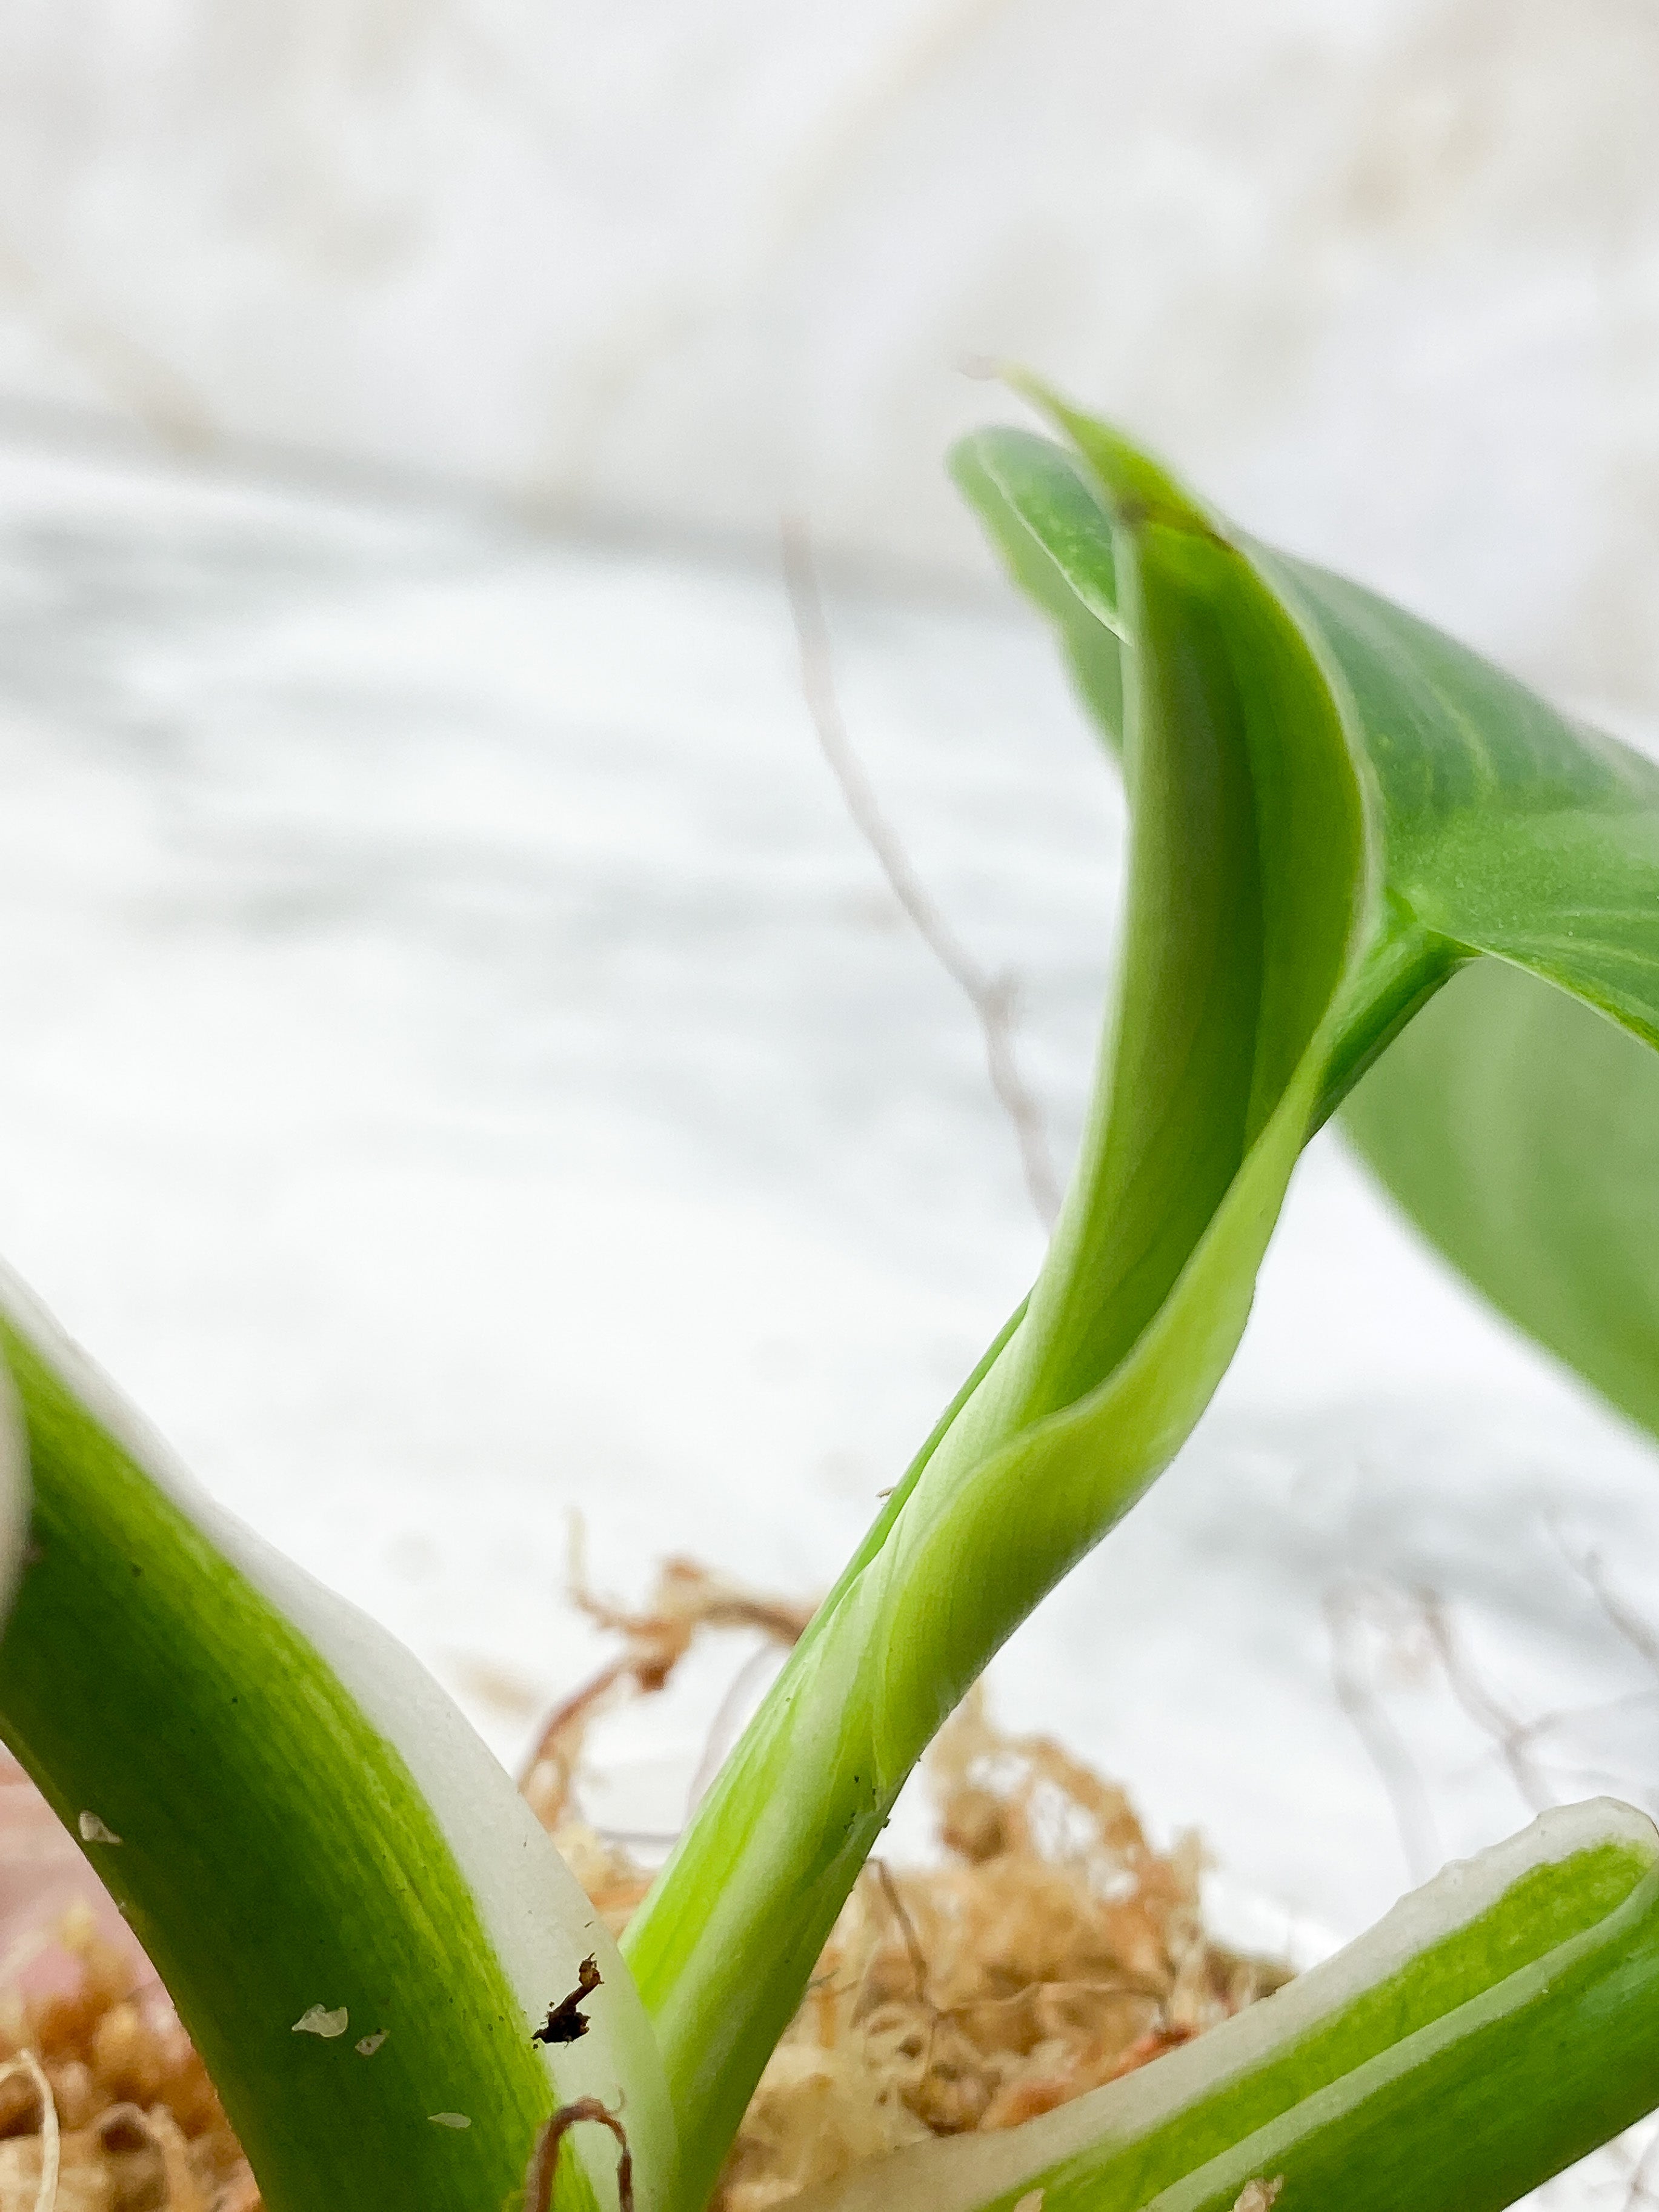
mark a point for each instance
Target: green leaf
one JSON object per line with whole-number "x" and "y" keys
{"x": 1520, "y": 1131}
{"x": 292, "y": 1816}
{"x": 1042, "y": 517}
{"x": 14, "y": 1491}
{"x": 1494, "y": 2028}
{"x": 1508, "y": 828}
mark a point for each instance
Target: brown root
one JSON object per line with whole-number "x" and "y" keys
{"x": 687, "y": 1598}
{"x": 545, "y": 2159}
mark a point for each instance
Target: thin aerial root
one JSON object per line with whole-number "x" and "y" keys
{"x": 545, "y": 2159}
{"x": 993, "y": 998}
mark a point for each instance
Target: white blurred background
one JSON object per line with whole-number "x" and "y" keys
{"x": 460, "y": 1062}
{"x": 1382, "y": 274}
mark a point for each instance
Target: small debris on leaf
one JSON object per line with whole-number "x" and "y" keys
{"x": 93, "y": 1830}
{"x": 320, "y": 2020}
{"x": 565, "y": 2022}
{"x": 449, "y": 2119}
{"x": 1259, "y": 2195}
{"x": 368, "y": 2045}
{"x": 1032, "y": 2202}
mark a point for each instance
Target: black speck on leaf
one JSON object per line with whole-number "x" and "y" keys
{"x": 566, "y": 2021}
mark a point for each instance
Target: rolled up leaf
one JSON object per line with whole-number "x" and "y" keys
{"x": 1249, "y": 907}
{"x": 1520, "y": 1135}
